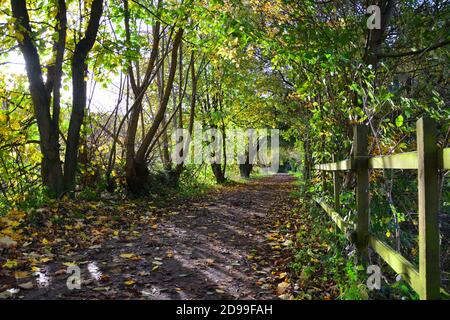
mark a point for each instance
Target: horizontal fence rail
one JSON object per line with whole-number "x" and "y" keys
{"x": 336, "y": 217}
{"x": 428, "y": 160}
{"x": 397, "y": 262}
{"x": 405, "y": 160}
{"x": 335, "y": 166}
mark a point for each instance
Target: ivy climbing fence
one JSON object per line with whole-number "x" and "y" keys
{"x": 427, "y": 160}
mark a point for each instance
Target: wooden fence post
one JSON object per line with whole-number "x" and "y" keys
{"x": 428, "y": 210}
{"x": 336, "y": 188}
{"x": 362, "y": 189}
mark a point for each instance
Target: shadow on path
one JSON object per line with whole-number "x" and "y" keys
{"x": 198, "y": 251}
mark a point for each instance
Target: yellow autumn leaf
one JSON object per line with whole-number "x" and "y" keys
{"x": 131, "y": 256}
{"x": 388, "y": 234}
{"x": 32, "y": 260}
{"x": 35, "y": 269}
{"x": 13, "y": 223}
{"x": 21, "y": 274}
{"x": 129, "y": 282}
{"x": 70, "y": 264}
{"x": 10, "y": 264}
{"x": 13, "y": 234}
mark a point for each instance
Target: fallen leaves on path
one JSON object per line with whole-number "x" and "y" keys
{"x": 236, "y": 243}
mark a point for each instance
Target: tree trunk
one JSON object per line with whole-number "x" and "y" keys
{"x": 51, "y": 166}
{"x": 51, "y": 169}
{"x": 376, "y": 36}
{"x": 306, "y": 160}
{"x": 142, "y": 151}
{"x": 245, "y": 169}
{"x": 137, "y": 177}
{"x": 194, "y": 78}
{"x": 167, "y": 161}
{"x": 218, "y": 168}
{"x": 219, "y": 174}
{"x": 76, "y": 120}
{"x": 79, "y": 70}
{"x": 135, "y": 173}
{"x": 136, "y": 170}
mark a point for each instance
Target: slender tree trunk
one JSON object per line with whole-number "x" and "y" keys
{"x": 218, "y": 172}
{"x": 167, "y": 163}
{"x": 219, "y": 169}
{"x": 137, "y": 171}
{"x": 79, "y": 71}
{"x": 246, "y": 168}
{"x": 141, "y": 153}
{"x": 165, "y": 156}
{"x": 194, "y": 79}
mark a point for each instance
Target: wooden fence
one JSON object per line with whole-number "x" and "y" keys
{"x": 427, "y": 160}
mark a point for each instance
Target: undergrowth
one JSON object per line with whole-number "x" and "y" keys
{"x": 337, "y": 261}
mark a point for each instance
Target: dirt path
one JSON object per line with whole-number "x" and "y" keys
{"x": 210, "y": 248}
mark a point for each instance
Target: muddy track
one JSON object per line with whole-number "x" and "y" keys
{"x": 199, "y": 250}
